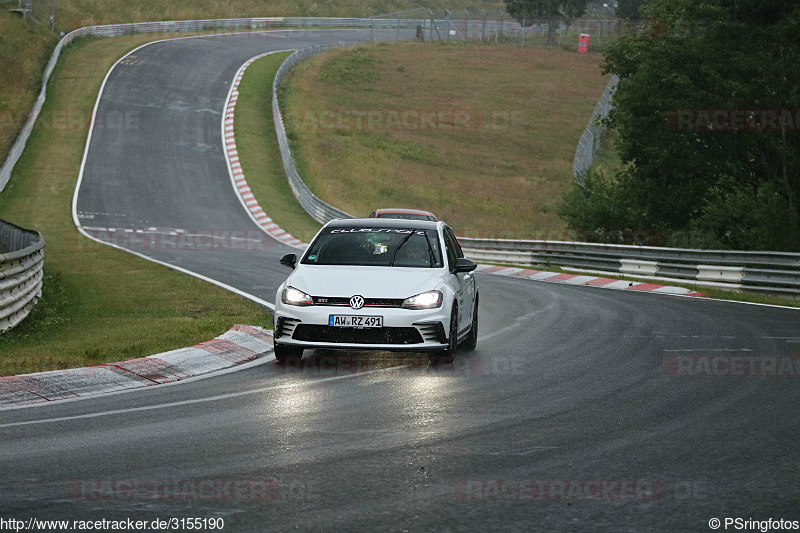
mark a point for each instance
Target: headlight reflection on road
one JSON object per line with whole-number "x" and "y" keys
{"x": 411, "y": 374}
{"x": 293, "y": 400}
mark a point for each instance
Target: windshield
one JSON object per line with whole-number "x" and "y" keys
{"x": 376, "y": 247}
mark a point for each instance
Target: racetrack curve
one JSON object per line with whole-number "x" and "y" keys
{"x": 569, "y": 387}
{"x": 155, "y": 162}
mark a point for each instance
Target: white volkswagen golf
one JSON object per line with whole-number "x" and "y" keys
{"x": 380, "y": 285}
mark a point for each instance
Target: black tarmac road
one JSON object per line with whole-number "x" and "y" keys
{"x": 581, "y": 410}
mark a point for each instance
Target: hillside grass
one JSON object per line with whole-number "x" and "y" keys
{"x": 25, "y": 49}
{"x": 71, "y": 14}
{"x": 492, "y": 154}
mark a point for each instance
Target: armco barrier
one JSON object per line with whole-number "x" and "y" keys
{"x": 319, "y": 210}
{"x": 21, "y": 261}
{"x": 775, "y": 273}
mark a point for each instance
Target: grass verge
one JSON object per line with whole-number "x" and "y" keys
{"x": 25, "y": 49}
{"x": 98, "y": 304}
{"x": 259, "y": 153}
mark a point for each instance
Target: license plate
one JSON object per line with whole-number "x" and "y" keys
{"x": 352, "y": 321}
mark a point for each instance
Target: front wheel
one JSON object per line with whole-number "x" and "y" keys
{"x": 471, "y": 342}
{"x": 449, "y": 354}
{"x": 284, "y": 352}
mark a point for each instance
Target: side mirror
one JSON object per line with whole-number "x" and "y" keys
{"x": 289, "y": 260}
{"x": 464, "y": 265}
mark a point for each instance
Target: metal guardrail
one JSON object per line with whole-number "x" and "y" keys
{"x": 319, "y": 210}
{"x": 21, "y": 262}
{"x": 593, "y": 134}
{"x": 770, "y": 272}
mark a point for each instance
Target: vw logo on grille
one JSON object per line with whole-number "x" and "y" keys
{"x": 357, "y": 302}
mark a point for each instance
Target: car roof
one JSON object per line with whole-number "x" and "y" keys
{"x": 384, "y": 223}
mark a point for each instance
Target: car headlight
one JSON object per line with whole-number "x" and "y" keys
{"x": 292, "y": 296}
{"x": 426, "y": 300}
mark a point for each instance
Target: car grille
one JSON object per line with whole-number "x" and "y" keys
{"x": 368, "y": 302}
{"x": 315, "y": 333}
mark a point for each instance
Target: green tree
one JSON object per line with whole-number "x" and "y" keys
{"x": 629, "y": 9}
{"x": 698, "y": 182}
{"x": 551, "y": 10}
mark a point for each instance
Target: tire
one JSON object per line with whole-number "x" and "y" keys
{"x": 471, "y": 342}
{"x": 448, "y": 355}
{"x": 283, "y": 352}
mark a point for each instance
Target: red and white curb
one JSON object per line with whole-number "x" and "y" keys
{"x": 235, "y": 168}
{"x": 238, "y": 345}
{"x": 588, "y": 281}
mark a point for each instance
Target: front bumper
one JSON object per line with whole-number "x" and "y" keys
{"x": 403, "y": 329}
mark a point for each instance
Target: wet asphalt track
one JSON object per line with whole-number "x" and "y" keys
{"x": 569, "y": 386}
